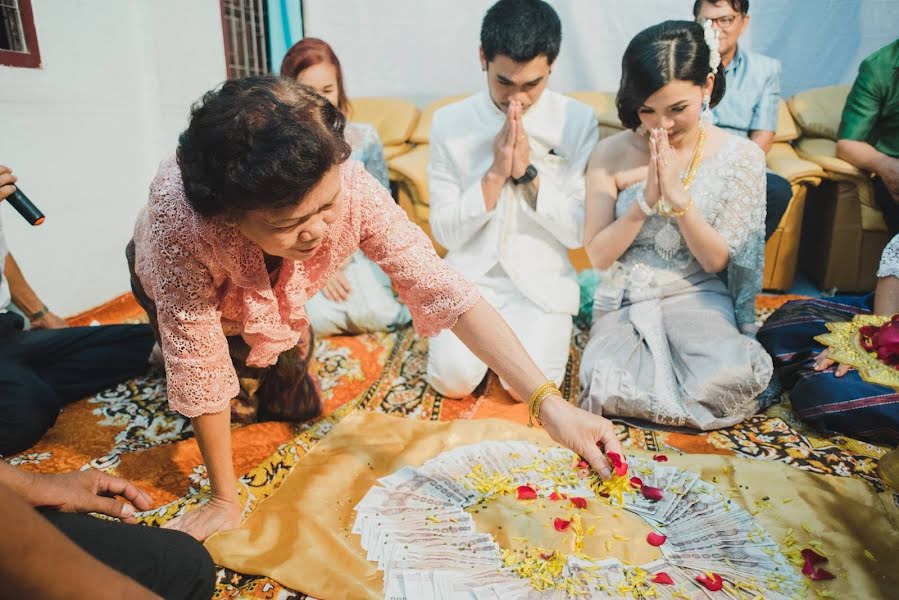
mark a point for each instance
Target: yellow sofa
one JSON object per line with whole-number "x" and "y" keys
{"x": 394, "y": 119}
{"x": 410, "y": 170}
{"x": 844, "y": 231}
{"x": 782, "y": 248}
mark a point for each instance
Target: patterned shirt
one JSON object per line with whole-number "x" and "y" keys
{"x": 209, "y": 281}
{"x": 871, "y": 113}
{"x": 752, "y": 97}
{"x": 889, "y": 260}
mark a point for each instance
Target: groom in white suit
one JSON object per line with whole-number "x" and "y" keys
{"x": 506, "y": 180}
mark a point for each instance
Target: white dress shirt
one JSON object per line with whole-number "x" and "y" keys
{"x": 530, "y": 245}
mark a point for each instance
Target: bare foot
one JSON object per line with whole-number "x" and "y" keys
{"x": 216, "y": 515}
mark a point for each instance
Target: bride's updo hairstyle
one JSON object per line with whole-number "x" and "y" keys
{"x": 658, "y": 55}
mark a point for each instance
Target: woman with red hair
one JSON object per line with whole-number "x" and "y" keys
{"x": 359, "y": 297}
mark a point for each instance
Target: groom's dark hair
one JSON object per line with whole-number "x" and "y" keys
{"x": 521, "y": 30}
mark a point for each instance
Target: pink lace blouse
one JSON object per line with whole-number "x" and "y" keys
{"x": 209, "y": 281}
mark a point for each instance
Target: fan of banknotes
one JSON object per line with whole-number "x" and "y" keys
{"x": 417, "y": 525}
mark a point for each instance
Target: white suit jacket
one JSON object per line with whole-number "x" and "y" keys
{"x": 531, "y": 246}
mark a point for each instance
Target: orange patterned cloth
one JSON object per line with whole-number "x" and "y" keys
{"x": 209, "y": 281}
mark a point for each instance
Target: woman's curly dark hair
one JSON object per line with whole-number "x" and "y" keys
{"x": 258, "y": 142}
{"x": 658, "y": 55}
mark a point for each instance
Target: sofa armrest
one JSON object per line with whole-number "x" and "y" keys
{"x": 392, "y": 151}
{"x": 411, "y": 169}
{"x": 394, "y": 118}
{"x": 824, "y": 152}
{"x": 610, "y": 119}
{"x": 783, "y": 160}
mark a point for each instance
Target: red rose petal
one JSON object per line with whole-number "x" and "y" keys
{"x": 663, "y": 578}
{"x": 651, "y": 493}
{"x": 660, "y": 458}
{"x": 579, "y": 502}
{"x": 713, "y": 583}
{"x": 582, "y": 464}
{"x": 656, "y": 539}
{"x": 807, "y": 568}
{"x": 561, "y": 524}
{"x": 813, "y": 557}
{"x": 526, "y": 492}
{"x": 619, "y": 465}
{"x": 821, "y": 575}
{"x": 545, "y": 556}
{"x": 556, "y": 496}
{"x": 636, "y": 483}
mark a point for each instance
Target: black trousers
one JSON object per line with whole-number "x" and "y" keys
{"x": 887, "y": 205}
{"x": 171, "y": 563}
{"x": 778, "y": 196}
{"x": 42, "y": 371}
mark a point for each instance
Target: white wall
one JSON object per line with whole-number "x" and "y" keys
{"x": 425, "y": 49}
{"x": 85, "y": 132}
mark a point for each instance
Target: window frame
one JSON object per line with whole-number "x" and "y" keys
{"x": 31, "y": 59}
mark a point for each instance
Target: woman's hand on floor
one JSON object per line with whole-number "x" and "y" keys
{"x": 217, "y": 515}
{"x": 591, "y": 436}
{"x": 88, "y": 491}
{"x": 824, "y": 362}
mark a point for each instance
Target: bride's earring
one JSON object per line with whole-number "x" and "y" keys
{"x": 641, "y": 130}
{"x": 706, "y": 114}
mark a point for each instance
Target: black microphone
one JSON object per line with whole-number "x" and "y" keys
{"x": 25, "y": 207}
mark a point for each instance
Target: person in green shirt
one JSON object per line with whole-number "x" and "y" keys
{"x": 869, "y": 130}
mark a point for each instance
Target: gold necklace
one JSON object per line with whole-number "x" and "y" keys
{"x": 668, "y": 240}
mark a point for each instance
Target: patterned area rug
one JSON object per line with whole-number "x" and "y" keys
{"x": 129, "y": 431}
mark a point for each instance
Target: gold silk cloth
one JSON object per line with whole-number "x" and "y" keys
{"x": 300, "y": 536}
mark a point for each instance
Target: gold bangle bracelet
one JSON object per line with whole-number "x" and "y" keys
{"x": 683, "y": 211}
{"x": 535, "y": 402}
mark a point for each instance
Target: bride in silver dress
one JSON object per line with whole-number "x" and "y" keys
{"x": 675, "y": 223}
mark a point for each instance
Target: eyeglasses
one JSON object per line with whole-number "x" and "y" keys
{"x": 722, "y": 22}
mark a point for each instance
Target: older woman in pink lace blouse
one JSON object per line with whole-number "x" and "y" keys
{"x": 259, "y": 210}
{"x": 209, "y": 281}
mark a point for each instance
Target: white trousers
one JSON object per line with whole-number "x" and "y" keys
{"x": 454, "y": 371}
{"x": 370, "y": 307}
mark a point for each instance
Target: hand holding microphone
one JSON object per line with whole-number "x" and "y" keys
{"x": 17, "y": 199}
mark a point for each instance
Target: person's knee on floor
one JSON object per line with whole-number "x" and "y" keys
{"x": 170, "y": 563}
{"x": 28, "y": 408}
{"x": 454, "y": 378}
{"x": 452, "y": 369}
{"x": 454, "y": 384}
